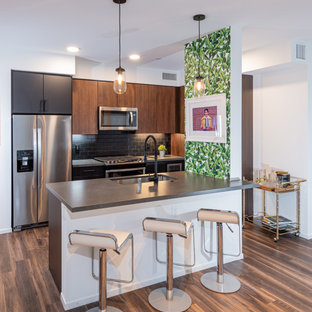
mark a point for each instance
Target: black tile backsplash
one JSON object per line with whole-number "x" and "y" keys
{"x": 114, "y": 143}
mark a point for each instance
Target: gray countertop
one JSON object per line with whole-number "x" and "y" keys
{"x": 92, "y": 162}
{"x": 102, "y": 193}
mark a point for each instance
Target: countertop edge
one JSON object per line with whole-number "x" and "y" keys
{"x": 61, "y": 199}
{"x": 151, "y": 199}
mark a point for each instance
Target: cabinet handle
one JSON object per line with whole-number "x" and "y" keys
{"x": 41, "y": 106}
{"x": 89, "y": 170}
{"x": 44, "y": 105}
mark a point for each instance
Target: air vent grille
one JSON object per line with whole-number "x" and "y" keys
{"x": 169, "y": 76}
{"x": 300, "y": 52}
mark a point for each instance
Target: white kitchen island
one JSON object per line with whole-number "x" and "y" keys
{"x": 77, "y": 206}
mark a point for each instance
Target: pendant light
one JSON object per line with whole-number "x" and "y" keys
{"x": 120, "y": 85}
{"x": 199, "y": 84}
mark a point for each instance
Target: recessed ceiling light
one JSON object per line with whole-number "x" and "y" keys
{"x": 134, "y": 57}
{"x": 72, "y": 49}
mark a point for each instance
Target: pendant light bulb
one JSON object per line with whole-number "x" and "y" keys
{"x": 120, "y": 85}
{"x": 199, "y": 86}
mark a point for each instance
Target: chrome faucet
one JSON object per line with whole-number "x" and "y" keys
{"x": 155, "y": 178}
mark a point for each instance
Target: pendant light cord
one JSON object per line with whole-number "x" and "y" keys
{"x": 119, "y": 35}
{"x": 198, "y": 48}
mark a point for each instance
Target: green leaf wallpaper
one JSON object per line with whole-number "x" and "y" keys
{"x": 211, "y": 159}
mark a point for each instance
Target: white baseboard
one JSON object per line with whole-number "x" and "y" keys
{"x": 5, "y": 230}
{"x": 124, "y": 288}
{"x": 306, "y": 236}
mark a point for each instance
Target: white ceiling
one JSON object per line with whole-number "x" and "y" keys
{"x": 155, "y": 29}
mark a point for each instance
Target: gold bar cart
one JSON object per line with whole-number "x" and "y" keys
{"x": 278, "y": 188}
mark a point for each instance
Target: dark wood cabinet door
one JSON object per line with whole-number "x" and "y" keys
{"x": 106, "y": 95}
{"x": 27, "y": 93}
{"x": 57, "y": 92}
{"x": 180, "y": 110}
{"x": 166, "y": 110}
{"x": 85, "y": 109}
{"x": 146, "y": 96}
{"x": 129, "y": 98}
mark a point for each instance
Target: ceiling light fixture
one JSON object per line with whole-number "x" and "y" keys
{"x": 73, "y": 49}
{"x": 134, "y": 57}
{"x": 120, "y": 85}
{"x": 199, "y": 84}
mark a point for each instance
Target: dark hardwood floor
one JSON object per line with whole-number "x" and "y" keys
{"x": 274, "y": 276}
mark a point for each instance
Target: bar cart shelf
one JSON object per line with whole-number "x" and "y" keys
{"x": 279, "y": 227}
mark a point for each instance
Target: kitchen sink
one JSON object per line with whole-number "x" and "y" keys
{"x": 142, "y": 179}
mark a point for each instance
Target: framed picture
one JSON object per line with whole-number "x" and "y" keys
{"x": 205, "y": 118}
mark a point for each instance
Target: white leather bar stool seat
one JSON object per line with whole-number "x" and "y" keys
{"x": 103, "y": 239}
{"x": 219, "y": 281}
{"x": 167, "y": 226}
{"x": 213, "y": 215}
{"x": 112, "y": 239}
{"x": 169, "y": 299}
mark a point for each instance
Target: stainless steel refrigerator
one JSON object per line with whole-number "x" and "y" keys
{"x": 41, "y": 154}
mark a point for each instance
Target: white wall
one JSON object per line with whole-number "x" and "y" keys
{"x": 267, "y": 57}
{"x": 281, "y": 133}
{"x": 87, "y": 69}
{"x": 19, "y": 60}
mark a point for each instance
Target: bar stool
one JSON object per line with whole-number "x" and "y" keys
{"x": 169, "y": 299}
{"x": 219, "y": 281}
{"x": 103, "y": 239}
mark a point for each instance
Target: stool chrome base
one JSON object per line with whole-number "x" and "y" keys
{"x": 230, "y": 283}
{"x": 181, "y": 301}
{"x": 108, "y": 309}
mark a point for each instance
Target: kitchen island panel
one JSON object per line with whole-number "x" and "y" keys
{"x": 78, "y": 285}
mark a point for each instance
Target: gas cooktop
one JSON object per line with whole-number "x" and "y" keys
{"x": 115, "y": 160}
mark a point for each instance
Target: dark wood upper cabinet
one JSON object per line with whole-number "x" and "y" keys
{"x": 180, "y": 110}
{"x": 57, "y": 92}
{"x": 85, "y": 107}
{"x": 106, "y": 95}
{"x": 128, "y": 99}
{"x": 27, "y": 93}
{"x": 157, "y": 105}
{"x": 146, "y": 96}
{"x": 166, "y": 110}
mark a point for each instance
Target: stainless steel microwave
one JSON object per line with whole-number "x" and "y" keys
{"x": 118, "y": 118}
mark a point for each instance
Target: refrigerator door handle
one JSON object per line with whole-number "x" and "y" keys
{"x": 35, "y": 157}
{"x": 39, "y": 161}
